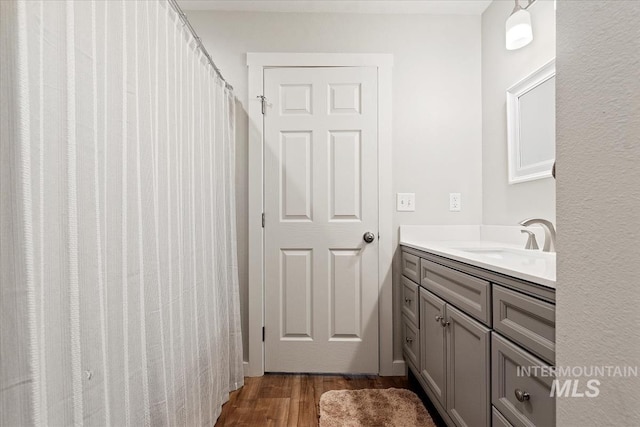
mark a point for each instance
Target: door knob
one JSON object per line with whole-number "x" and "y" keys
{"x": 368, "y": 237}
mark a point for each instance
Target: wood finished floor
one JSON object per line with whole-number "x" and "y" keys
{"x": 292, "y": 400}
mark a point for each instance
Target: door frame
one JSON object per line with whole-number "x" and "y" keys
{"x": 256, "y": 63}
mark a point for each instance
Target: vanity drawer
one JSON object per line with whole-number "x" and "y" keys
{"x": 526, "y": 320}
{"x": 411, "y": 266}
{"x": 468, "y": 293}
{"x": 410, "y": 343}
{"x": 410, "y": 300}
{"x": 537, "y": 408}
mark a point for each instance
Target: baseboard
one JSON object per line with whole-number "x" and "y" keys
{"x": 245, "y": 368}
{"x": 398, "y": 368}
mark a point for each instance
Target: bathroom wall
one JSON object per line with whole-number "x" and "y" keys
{"x": 598, "y": 150}
{"x": 436, "y": 105}
{"x": 505, "y": 204}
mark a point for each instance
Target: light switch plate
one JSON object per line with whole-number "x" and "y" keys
{"x": 406, "y": 202}
{"x": 455, "y": 202}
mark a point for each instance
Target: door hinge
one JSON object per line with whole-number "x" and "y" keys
{"x": 262, "y": 219}
{"x": 263, "y": 100}
{"x": 263, "y": 334}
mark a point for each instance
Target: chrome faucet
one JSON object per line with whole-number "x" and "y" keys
{"x": 549, "y": 232}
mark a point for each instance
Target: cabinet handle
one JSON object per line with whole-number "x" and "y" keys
{"x": 522, "y": 395}
{"x": 409, "y": 340}
{"x": 442, "y": 322}
{"x": 407, "y": 300}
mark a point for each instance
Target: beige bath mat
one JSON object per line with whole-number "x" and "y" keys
{"x": 369, "y": 407}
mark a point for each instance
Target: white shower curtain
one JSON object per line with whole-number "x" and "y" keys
{"x": 119, "y": 291}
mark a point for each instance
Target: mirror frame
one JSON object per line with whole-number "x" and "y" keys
{"x": 538, "y": 170}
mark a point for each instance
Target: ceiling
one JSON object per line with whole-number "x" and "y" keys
{"x": 434, "y": 7}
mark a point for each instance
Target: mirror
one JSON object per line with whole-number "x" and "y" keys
{"x": 531, "y": 125}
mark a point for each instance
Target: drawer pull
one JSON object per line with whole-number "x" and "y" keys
{"x": 522, "y": 395}
{"x": 407, "y": 300}
{"x": 443, "y": 323}
{"x": 409, "y": 340}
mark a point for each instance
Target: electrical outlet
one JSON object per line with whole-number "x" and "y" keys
{"x": 455, "y": 202}
{"x": 406, "y": 202}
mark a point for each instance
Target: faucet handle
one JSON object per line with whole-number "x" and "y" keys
{"x": 532, "y": 243}
{"x": 549, "y": 232}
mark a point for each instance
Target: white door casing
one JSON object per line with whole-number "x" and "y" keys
{"x": 389, "y": 348}
{"x": 321, "y": 197}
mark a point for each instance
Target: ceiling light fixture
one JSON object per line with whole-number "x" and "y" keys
{"x": 518, "y": 27}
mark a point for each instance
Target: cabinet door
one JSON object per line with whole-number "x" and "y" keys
{"x": 432, "y": 344}
{"x": 468, "y": 355}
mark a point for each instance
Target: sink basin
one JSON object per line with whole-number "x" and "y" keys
{"x": 507, "y": 254}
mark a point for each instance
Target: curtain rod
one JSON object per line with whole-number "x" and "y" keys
{"x": 183, "y": 17}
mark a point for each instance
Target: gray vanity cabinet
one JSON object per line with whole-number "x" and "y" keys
{"x": 454, "y": 360}
{"x": 469, "y": 370}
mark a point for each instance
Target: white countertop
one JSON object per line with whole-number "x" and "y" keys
{"x": 511, "y": 260}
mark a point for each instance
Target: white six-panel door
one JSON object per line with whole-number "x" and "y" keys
{"x": 321, "y": 197}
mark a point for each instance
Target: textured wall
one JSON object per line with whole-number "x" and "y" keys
{"x": 436, "y": 99}
{"x": 598, "y": 149}
{"x": 505, "y": 204}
